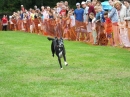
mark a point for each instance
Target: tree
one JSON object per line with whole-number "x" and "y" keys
{"x": 14, "y": 5}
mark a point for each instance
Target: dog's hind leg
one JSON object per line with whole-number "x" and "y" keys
{"x": 60, "y": 62}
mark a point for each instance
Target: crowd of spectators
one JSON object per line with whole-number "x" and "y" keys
{"x": 88, "y": 22}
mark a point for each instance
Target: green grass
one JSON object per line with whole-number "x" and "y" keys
{"x": 27, "y": 69}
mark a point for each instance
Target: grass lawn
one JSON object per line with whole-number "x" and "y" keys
{"x": 27, "y": 69}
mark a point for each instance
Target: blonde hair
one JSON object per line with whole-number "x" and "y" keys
{"x": 96, "y": 7}
{"x": 117, "y": 2}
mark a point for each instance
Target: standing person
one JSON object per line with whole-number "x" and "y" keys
{"x": 36, "y": 22}
{"x": 79, "y": 13}
{"x": 94, "y": 33}
{"x": 108, "y": 28}
{"x": 66, "y": 4}
{"x": 51, "y": 15}
{"x": 4, "y": 23}
{"x": 63, "y": 12}
{"x": 98, "y": 3}
{"x": 85, "y": 18}
{"x": 123, "y": 33}
{"x": 85, "y": 15}
{"x": 79, "y": 17}
{"x": 127, "y": 18}
{"x": 99, "y": 23}
{"x": 91, "y": 7}
{"x": 121, "y": 9}
{"x": 72, "y": 19}
{"x": 89, "y": 26}
{"x": 94, "y": 2}
{"x": 22, "y": 8}
{"x": 72, "y": 25}
{"x": 58, "y": 8}
{"x": 35, "y": 7}
{"x": 113, "y": 15}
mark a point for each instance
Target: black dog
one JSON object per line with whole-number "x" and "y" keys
{"x": 57, "y": 47}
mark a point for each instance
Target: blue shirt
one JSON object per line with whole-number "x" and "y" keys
{"x": 113, "y": 15}
{"x": 79, "y": 14}
{"x": 21, "y": 16}
{"x": 102, "y": 19}
{"x": 100, "y": 16}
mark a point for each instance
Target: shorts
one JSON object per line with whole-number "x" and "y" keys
{"x": 109, "y": 35}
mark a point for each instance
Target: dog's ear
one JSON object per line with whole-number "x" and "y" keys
{"x": 57, "y": 41}
{"x": 61, "y": 38}
{"x": 49, "y": 38}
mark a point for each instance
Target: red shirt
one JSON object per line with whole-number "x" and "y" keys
{"x": 108, "y": 25}
{"x": 91, "y": 9}
{"x": 63, "y": 12}
{"x": 4, "y": 20}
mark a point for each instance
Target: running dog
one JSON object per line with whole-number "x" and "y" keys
{"x": 57, "y": 47}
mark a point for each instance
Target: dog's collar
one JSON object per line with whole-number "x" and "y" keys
{"x": 60, "y": 46}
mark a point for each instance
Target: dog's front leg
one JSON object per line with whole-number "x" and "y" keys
{"x": 66, "y": 64}
{"x": 60, "y": 62}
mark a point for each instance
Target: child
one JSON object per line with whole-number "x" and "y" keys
{"x": 99, "y": 23}
{"x": 108, "y": 28}
{"x": 94, "y": 33}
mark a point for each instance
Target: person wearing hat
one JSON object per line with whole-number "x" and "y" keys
{"x": 78, "y": 17}
{"x": 35, "y": 7}
{"x": 79, "y": 13}
{"x": 85, "y": 17}
{"x": 22, "y": 8}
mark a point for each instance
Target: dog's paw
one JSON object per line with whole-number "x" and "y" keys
{"x": 66, "y": 64}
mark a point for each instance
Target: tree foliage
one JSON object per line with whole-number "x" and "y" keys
{"x": 14, "y": 5}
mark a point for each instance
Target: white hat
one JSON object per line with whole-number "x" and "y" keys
{"x": 77, "y": 4}
{"x": 83, "y": 2}
{"x": 88, "y": 1}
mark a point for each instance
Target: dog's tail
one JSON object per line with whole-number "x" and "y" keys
{"x": 49, "y": 38}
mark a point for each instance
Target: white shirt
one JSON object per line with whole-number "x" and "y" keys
{"x": 45, "y": 14}
{"x": 122, "y": 13}
{"x": 58, "y": 10}
{"x": 85, "y": 16}
{"x": 72, "y": 17}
